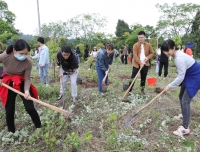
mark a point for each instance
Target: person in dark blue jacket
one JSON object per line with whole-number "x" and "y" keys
{"x": 103, "y": 63}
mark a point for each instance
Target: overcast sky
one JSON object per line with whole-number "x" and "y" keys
{"x": 131, "y": 11}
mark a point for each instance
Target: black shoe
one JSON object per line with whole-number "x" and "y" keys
{"x": 142, "y": 91}
{"x": 59, "y": 98}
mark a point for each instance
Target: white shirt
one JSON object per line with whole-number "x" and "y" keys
{"x": 182, "y": 62}
{"x": 94, "y": 54}
{"x": 142, "y": 54}
{"x": 158, "y": 52}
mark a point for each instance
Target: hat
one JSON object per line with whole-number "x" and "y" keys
{"x": 189, "y": 45}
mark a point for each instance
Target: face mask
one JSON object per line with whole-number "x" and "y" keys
{"x": 20, "y": 57}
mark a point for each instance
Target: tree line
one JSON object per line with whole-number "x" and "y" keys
{"x": 178, "y": 22}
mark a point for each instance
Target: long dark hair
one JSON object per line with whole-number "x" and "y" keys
{"x": 18, "y": 46}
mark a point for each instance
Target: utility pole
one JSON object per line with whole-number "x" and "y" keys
{"x": 38, "y": 10}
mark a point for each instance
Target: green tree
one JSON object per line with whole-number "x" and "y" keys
{"x": 150, "y": 31}
{"x": 53, "y": 48}
{"x": 7, "y": 18}
{"x": 133, "y": 38}
{"x": 177, "y": 40}
{"x": 86, "y": 26}
{"x": 176, "y": 19}
{"x": 121, "y": 28}
{"x": 5, "y": 14}
{"x": 62, "y": 41}
{"x": 195, "y": 35}
{"x": 55, "y": 29}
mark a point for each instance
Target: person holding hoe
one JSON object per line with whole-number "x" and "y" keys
{"x": 16, "y": 73}
{"x": 67, "y": 62}
{"x": 142, "y": 53}
{"x": 103, "y": 64}
{"x": 188, "y": 78}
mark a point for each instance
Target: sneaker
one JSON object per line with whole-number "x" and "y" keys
{"x": 181, "y": 131}
{"x": 59, "y": 98}
{"x": 179, "y": 117}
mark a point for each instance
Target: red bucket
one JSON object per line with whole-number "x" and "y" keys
{"x": 151, "y": 81}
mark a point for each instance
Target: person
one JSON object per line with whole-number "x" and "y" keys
{"x": 142, "y": 53}
{"x": 94, "y": 55}
{"x": 158, "y": 53}
{"x": 16, "y": 73}
{"x": 86, "y": 52}
{"x": 188, "y": 48}
{"x": 164, "y": 61}
{"x": 125, "y": 54}
{"x": 44, "y": 61}
{"x": 68, "y": 64}
{"x": 188, "y": 78}
{"x": 78, "y": 52}
{"x": 37, "y": 60}
{"x": 180, "y": 48}
{"x": 116, "y": 53}
{"x": 103, "y": 63}
{"x": 122, "y": 56}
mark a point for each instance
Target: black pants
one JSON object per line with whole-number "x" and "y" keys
{"x": 143, "y": 75}
{"x": 10, "y": 109}
{"x": 165, "y": 64}
{"x": 124, "y": 59}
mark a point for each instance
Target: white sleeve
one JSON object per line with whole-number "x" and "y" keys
{"x": 181, "y": 68}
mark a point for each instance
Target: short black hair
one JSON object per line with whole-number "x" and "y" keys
{"x": 41, "y": 40}
{"x": 167, "y": 45}
{"x": 142, "y": 33}
{"x": 66, "y": 49}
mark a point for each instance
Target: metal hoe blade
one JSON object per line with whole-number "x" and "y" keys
{"x": 128, "y": 120}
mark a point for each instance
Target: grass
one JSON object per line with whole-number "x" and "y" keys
{"x": 98, "y": 118}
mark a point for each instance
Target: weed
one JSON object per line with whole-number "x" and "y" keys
{"x": 73, "y": 141}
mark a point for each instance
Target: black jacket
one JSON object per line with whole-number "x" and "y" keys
{"x": 70, "y": 64}
{"x": 163, "y": 57}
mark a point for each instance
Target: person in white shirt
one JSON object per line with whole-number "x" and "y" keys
{"x": 180, "y": 48}
{"x": 142, "y": 53}
{"x": 158, "y": 53}
{"x": 94, "y": 55}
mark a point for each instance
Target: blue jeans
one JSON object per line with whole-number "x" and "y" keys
{"x": 43, "y": 71}
{"x": 79, "y": 60}
{"x": 101, "y": 74}
{"x": 37, "y": 65}
{"x": 157, "y": 66}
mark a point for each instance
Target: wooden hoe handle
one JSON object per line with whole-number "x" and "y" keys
{"x": 132, "y": 83}
{"x": 38, "y": 101}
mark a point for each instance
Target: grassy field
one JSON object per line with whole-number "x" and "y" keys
{"x": 98, "y": 123}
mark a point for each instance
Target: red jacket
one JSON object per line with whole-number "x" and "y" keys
{"x": 16, "y": 85}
